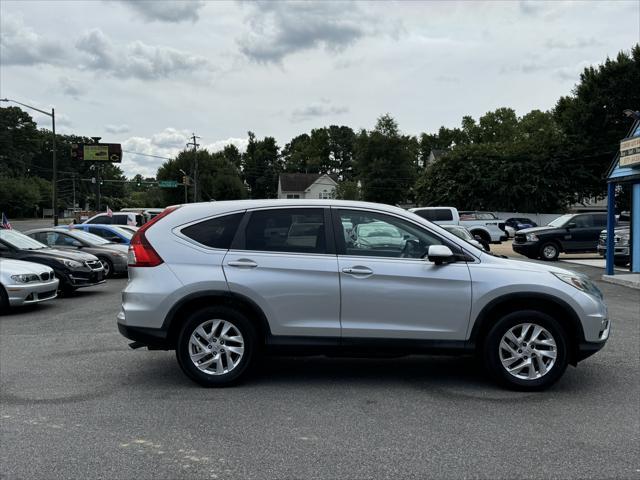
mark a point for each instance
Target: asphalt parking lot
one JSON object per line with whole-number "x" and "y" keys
{"x": 76, "y": 402}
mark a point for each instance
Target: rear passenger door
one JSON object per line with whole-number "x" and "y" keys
{"x": 284, "y": 260}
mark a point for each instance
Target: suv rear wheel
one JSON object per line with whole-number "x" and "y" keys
{"x": 215, "y": 346}
{"x": 526, "y": 350}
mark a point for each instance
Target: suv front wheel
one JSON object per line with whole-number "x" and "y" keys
{"x": 526, "y": 350}
{"x": 215, "y": 346}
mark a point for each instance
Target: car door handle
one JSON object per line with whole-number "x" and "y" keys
{"x": 357, "y": 270}
{"x": 242, "y": 263}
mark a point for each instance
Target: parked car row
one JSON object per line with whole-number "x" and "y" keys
{"x": 38, "y": 264}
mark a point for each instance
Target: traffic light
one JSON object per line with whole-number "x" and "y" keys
{"x": 184, "y": 180}
{"x": 101, "y": 182}
{"x": 138, "y": 183}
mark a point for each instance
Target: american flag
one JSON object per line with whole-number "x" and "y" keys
{"x": 109, "y": 212}
{"x": 5, "y": 223}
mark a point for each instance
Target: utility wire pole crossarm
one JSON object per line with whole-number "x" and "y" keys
{"x": 54, "y": 180}
{"x": 195, "y": 166}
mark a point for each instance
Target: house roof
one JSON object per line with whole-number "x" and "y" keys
{"x": 299, "y": 182}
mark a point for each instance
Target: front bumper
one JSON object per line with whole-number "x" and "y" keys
{"x": 85, "y": 277}
{"x": 26, "y": 294}
{"x": 618, "y": 252}
{"x": 528, "y": 249}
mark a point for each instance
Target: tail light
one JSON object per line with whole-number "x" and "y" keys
{"x": 141, "y": 253}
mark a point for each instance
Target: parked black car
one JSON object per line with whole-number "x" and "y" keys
{"x": 572, "y": 233}
{"x": 113, "y": 256}
{"x": 73, "y": 269}
{"x": 520, "y": 223}
{"x": 621, "y": 247}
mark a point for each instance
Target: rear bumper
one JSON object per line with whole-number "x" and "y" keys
{"x": 151, "y": 337}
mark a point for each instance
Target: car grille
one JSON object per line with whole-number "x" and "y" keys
{"x": 94, "y": 265}
{"x": 520, "y": 238}
{"x": 45, "y": 277}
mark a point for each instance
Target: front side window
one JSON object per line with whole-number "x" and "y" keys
{"x": 295, "y": 230}
{"x": 379, "y": 235}
{"x": 583, "y": 221}
{"x": 436, "y": 214}
{"x": 216, "y": 232}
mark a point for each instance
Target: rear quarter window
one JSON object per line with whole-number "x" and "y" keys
{"x": 216, "y": 232}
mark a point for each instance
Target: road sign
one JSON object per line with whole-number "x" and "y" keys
{"x": 168, "y": 183}
{"x": 97, "y": 152}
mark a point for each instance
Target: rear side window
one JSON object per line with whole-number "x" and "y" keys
{"x": 600, "y": 220}
{"x": 297, "y": 230}
{"x": 436, "y": 214}
{"x": 120, "y": 219}
{"x": 216, "y": 232}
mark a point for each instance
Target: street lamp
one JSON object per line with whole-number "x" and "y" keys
{"x": 53, "y": 151}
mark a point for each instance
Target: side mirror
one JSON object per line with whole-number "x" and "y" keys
{"x": 571, "y": 225}
{"x": 439, "y": 254}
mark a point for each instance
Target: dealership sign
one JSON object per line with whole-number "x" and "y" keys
{"x": 97, "y": 152}
{"x": 630, "y": 152}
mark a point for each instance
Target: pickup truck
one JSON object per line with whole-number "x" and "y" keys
{"x": 482, "y": 224}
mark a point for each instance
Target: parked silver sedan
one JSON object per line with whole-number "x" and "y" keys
{"x": 24, "y": 283}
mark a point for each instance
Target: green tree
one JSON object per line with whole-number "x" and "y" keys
{"x": 385, "y": 163}
{"x": 261, "y": 166}
{"x": 591, "y": 118}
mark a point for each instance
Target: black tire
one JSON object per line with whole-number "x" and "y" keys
{"x": 108, "y": 266}
{"x": 241, "y": 323}
{"x": 549, "y": 251}
{"x": 4, "y": 301}
{"x": 491, "y": 351}
{"x": 621, "y": 263}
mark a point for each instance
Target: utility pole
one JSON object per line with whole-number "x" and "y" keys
{"x": 195, "y": 167}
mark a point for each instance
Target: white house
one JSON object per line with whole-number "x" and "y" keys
{"x": 307, "y": 185}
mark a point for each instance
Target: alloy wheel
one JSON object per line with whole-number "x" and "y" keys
{"x": 107, "y": 268}
{"x": 528, "y": 351}
{"x": 549, "y": 251}
{"x": 216, "y": 347}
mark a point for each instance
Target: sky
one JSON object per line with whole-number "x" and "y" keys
{"x": 148, "y": 74}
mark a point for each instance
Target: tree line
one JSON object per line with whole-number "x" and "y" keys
{"x": 540, "y": 161}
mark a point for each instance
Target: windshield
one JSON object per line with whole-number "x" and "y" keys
{"x": 560, "y": 221}
{"x": 379, "y": 230}
{"x": 89, "y": 237}
{"x": 20, "y": 241}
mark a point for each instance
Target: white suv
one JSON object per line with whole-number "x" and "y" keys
{"x": 223, "y": 282}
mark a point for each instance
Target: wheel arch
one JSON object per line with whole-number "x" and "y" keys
{"x": 555, "y": 307}
{"x": 177, "y": 314}
{"x": 482, "y": 232}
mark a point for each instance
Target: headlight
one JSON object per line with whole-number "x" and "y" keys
{"x": 72, "y": 263}
{"x": 25, "y": 278}
{"x": 580, "y": 282}
{"x": 531, "y": 237}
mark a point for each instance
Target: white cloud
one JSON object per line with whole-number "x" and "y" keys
{"x": 123, "y": 128}
{"x": 72, "y": 88}
{"x": 278, "y": 29}
{"x": 166, "y": 10}
{"x": 323, "y": 108}
{"x": 137, "y": 59}
{"x": 21, "y": 45}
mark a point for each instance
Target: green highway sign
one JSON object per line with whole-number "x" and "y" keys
{"x": 168, "y": 183}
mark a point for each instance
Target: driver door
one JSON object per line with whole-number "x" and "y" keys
{"x": 388, "y": 290}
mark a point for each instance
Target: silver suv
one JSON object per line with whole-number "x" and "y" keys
{"x": 224, "y": 282}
